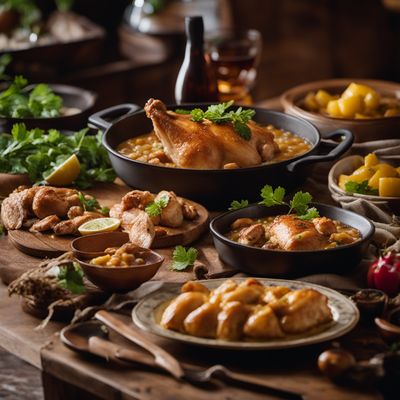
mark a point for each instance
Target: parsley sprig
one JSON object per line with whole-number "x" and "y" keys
{"x": 218, "y": 114}
{"x": 238, "y": 204}
{"x": 361, "y": 188}
{"x": 92, "y": 204}
{"x": 155, "y": 208}
{"x": 183, "y": 258}
{"x": 71, "y": 278}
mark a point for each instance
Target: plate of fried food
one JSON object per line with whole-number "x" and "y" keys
{"x": 246, "y": 313}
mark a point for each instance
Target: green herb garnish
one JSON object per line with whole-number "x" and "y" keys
{"x": 37, "y": 153}
{"x": 155, "y": 208}
{"x": 299, "y": 203}
{"x": 361, "y": 188}
{"x": 90, "y": 204}
{"x": 183, "y": 258}
{"x": 28, "y": 11}
{"x": 237, "y": 205}
{"x": 218, "y": 114}
{"x": 2, "y": 230}
{"x": 71, "y": 278}
{"x": 19, "y": 102}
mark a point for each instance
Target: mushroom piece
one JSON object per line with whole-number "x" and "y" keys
{"x": 171, "y": 214}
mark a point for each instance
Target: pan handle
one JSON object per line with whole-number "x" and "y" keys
{"x": 337, "y": 150}
{"x": 105, "y": 118}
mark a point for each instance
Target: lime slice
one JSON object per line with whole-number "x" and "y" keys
{"x": 65, "y": 173}
{"x": 99, "y": 225}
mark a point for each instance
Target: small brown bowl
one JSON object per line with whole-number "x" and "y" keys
{"x": 363, "y": 129}
{"x": 90, "y": 246}
{"x": 371, "y": 303}
{"x": 114, "y": 279}
{"x": 389, "y": 330}
{"x": 346, "y": 166}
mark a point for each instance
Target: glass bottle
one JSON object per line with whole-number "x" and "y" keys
{"x": 196, "y": 82}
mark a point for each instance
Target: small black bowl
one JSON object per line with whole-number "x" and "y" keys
{"x": 280, "y": 263}
{"x": 73, "y": 97}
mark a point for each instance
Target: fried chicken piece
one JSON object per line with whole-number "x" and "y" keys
{"x": 172, "y": 214}
{"x": 274, "y": 293}
{"x": 231, "y": 320}
{"x": 13, "y": 212}
{"x": 139, "y": 226}
{"x": 288, "y": 232}
{"x": 116, "y": 211}
{"x": 244, "y": 294}
{"x": 47, "y": 201}
{"x": 180, "y": 308}
{"x": 206, "y": 145}
{"x": 70, "y": 226}
{"x": 191, "y": 286}
{"x": 301, "y": 310}
{"x": 75, "y": 211}
{"x": 325, "y": 226}
{"x": 227, "y": 286}
{"x": 45, "y": 224}
{"x": 136, "y": 199}
{"x": 203, "y": 321}
{"x": 263, "y": 324}
{"x": 252, "y": 235}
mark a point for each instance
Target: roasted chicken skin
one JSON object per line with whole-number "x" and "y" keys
{"x": 206, "y": 145}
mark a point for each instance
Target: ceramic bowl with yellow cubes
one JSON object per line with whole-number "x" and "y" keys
{"x": 368, "y": 178}
{"x": 369, "y": 108}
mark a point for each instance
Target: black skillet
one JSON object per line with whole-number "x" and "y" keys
{"x": 280, "y": 263}
{"x": 214, "y": 188}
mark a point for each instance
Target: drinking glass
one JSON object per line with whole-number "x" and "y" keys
{"x": 234, "y": 56}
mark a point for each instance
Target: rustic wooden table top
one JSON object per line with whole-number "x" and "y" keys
{"x": 293, "y": 370}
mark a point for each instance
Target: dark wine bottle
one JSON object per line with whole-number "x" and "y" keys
{"x": 196, "y": 81}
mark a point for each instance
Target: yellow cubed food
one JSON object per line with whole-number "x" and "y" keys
{"x": 398, "y": 170}
{"x": 389, "y": 187}
{"x": 333, "y": 109}
{"x": 382, "y": 171}
{"x": 323, "y": 98}
{"x": 310, "y": 103}
{"x": 343, "y": 179}
{"x": 370, "y": 160}
{"x": 349, "y": 106}
{"x": 357, "y": 89}
{"x": 371, "y": 100}
{"x": 361, "y": 116}
{"x": 362, "y": 174}
{"x": 392, "y": 112}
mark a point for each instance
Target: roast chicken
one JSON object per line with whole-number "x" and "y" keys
{"x": 207, "y": 145}
{"x": 250, "y": 310}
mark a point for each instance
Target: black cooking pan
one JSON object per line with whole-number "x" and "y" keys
{"x": 281, "y": 263}
{"x": 214, "y": 188}
{"x": 73, "y": 97}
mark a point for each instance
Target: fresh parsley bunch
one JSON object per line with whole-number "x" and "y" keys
{"x": 155, "y": 208}
{"x": 183, "y": 258}
{"x": 19, "y": 102}
{"x": 71, "y": 278}
{"x": 37, "y": 153}
{"x": 218, "y": 114}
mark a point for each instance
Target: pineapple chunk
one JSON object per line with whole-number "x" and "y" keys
{"x": 389, "y": 187}
{"x": 370, "y": 160}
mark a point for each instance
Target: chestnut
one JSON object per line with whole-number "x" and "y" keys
{"x": 333, "y": 363}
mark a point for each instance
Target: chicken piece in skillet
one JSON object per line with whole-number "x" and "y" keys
{"x": 206, "y": 145}
{"x": 252, "y": 235}
{"x": 301, "y": 310}
{"x": 45, "y": 224}
{"x": 180, "y": 308}
{"x": 203, "y": 321}
{"x": 288, "y": 232}
{"x": 263, "y": 324}
{"x": 171, "y": 215}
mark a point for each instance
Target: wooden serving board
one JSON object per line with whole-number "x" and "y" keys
{"x": 49, "y": 245}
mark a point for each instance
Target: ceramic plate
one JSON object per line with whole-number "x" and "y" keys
{"x": 147, "y": 313}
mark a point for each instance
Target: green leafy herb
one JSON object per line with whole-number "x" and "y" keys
{"x": 218, "y": 114}
{"x": 237, "y": 205}
{"x": 271, "y": 197}
{"x": 2, "y": 230}
{"x": 183, "y": 258}
{"x": 27, "y": 9}
{"x": 5, "y": 59}
{"x": 38, "y": 102}
{"x": 64, "y": 5}
{"x": 71, "y": 278}
{"x": 157, "y": 206}
{"x": 105, "y": 211}
{"x": 361, "y": 188}
{"x": 88, "y": 204}
{"x": 37, "y": 153}
{"x": 299, "y": 203}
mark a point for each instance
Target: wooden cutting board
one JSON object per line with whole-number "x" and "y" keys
{"x": 49, "y": 245}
